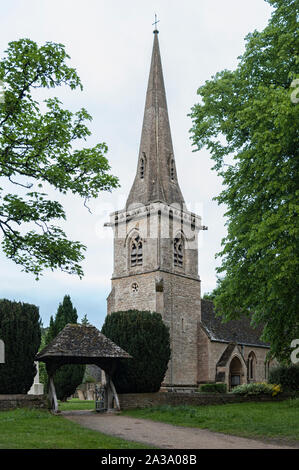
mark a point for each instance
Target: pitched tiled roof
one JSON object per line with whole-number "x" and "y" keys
{"x": 234, "y": 331}
{"x": 81, "y": 341}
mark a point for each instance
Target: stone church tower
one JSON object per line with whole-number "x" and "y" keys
{"x": 156, "y": 239}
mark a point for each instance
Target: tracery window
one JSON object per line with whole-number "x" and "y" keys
{"x": 178, "y": 251}
{"x": 136, "y": 254}
{"x": 251, "y": 366}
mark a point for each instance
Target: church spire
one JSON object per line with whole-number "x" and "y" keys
{"x": 156, "y": 177}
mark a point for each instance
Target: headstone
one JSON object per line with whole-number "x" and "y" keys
{"x": 37, "y": 388}
{"x": 90, "y": 395}
{"x": 81, "y": 395}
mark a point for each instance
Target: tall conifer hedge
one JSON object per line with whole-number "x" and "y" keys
{"x": 21, "y": 333}
{"x": 146, "y": 338}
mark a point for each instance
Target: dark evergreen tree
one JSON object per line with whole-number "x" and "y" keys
{"x": 67, "y": 377}
{"x": 20, "y": 329}
{"x": 146, "y": 338}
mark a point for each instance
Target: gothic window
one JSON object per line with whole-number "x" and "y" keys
{"x": 136, "y": 251}
{"x": 142, "y": 166}
{"x": 172, "y": 169}
{"x": 251, "y": 366}
{"x": 178, "y": 251}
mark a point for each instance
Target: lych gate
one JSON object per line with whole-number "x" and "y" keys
{"x": 81, "y": 344}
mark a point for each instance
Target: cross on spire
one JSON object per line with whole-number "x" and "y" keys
{"x": 155, "y": 23}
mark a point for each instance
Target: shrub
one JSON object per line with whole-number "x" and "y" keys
{"x": 257, "y": 388}
{"x": 21, "y": 333}
{"x": 146, "y": 338}
{"x": 287, "y": 376}
{"x": 213, "y": 388}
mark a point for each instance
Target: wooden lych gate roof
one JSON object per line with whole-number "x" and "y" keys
{"x": 81, "y": 344}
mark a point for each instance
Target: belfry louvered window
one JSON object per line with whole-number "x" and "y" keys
{"x": 142, "y": 167}
{"x": 136, "y": 251}
{"x": 178, "y": 251}
{"x": 172, "y": 169}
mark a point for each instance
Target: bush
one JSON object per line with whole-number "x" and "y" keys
{"x": 213, "y": 388}
{"x": 287, "y": 376}
{"x": 257, "y": 388}
{"x": 146, "y": 338}
{"x": 20, "y": 330}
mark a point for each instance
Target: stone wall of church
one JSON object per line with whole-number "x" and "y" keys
{"x": 182, "y": 315}
{"x": 204, "y": 371}
{"x": 260, "y": 370}
{"x": 126, "y": 296}
{"x": 211, "y": 351}
{"x": 177, "y": 298}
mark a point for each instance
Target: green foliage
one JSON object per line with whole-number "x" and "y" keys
{"x": 287, "y": 376}
{"x": 249, "y": 123}
{"x": 89, "y": 379}
{"x": 213, "y": 388}
{"x": 209, "y": 296}
{"x": 146, "y": 338}
{"x": 20, "y": 331}
{"x": 36, "y": 153}
{"x": 69, "y": 376}
{"x": 43, "y": 376}
{"x": 257, "y": 388}
{"x": 85, "y": 321}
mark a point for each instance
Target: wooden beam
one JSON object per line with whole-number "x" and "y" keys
{"x": 115, "y": 394}
{"x": 52, "y": 395}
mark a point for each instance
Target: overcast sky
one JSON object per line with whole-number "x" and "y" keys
{"x": 110, "y": 43}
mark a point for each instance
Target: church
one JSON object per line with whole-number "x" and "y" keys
{"x": 156, "y": 263}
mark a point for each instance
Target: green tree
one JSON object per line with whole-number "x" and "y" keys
{"x": 248, "y": 119}
{"x": 84, "y": 320}
{"x": 39, "y": 150}
{"x": 146, "y": 338}
{"x": 68, "y": 377}
{"x": 20, "y": 329}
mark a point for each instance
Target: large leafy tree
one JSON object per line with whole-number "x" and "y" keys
{"x": 40, "y": 148}
{"x": 69, "y": 376}
{"x": 248, "y": 119}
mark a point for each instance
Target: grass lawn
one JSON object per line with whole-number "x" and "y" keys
{"x": 256, "y": 420}
{"x": 76, "y": 404}
{"x": 38, "y": 429}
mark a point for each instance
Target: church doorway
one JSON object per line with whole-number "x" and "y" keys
{"x": 235, "y": 373}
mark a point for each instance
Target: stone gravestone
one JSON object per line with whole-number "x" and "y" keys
{"x": 80, "y": 394}
{"x": 37, "y": 388}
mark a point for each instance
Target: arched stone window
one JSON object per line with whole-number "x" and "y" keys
{"x": 172, "y": 169}
{"x": 251, "y": 366}
{"x": 178, "y": 251}
{"x": 142, "y": 166}
{"x": 136, "y": 255}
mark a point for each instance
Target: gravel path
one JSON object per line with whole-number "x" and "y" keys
{"x": 161, "y": 435}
